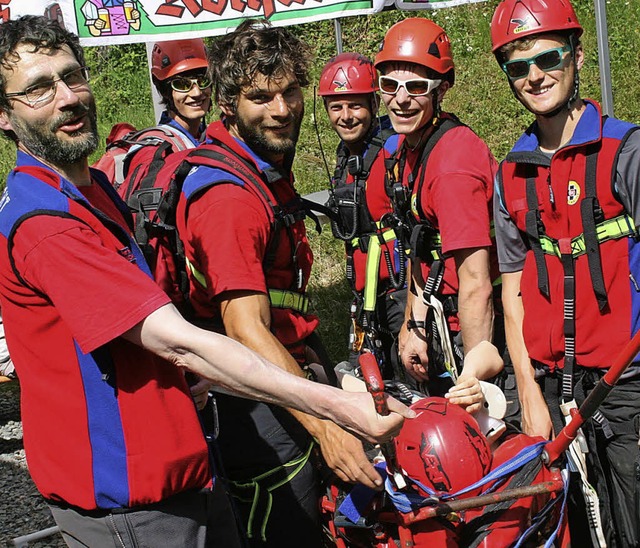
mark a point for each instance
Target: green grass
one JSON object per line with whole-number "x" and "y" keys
{"x": 480, "y": 97}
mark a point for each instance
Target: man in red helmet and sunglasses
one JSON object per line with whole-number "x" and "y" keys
{"x": 348, "y": 86}
{"x": 566, "y": 212}
{"x": 441, "y": 187}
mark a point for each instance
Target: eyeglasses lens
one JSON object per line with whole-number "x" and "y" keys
{"x": 43, "y": 91}
{"x": 546, "y": 61}
{"x": 416, "y": 87}
{"x": 184, "y": 85}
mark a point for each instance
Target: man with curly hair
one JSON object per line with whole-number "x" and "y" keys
{"x": 250, "y": 262}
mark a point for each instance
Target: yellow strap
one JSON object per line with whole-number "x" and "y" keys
{"x": 296, "y": 465}
{"x": 282, "y": 298}
{"x": 372, "y": 268}
{"x": 199, "y": 276}
{"x": 279, "y": 298}
{"x": 611, "y": 229}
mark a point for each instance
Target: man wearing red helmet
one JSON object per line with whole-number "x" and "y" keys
{"x": 348, "y": 86}
{"x": 566, "y": 211}
{"x": 442, "y": 187}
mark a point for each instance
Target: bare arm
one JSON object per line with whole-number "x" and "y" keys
{"x": 246, "y": 317}
{"x": 475, "y": 296}
{"x": 482, "y": 362}
{"x": 234, "y": 367}
{"x": 412, "y": 343}
{"x": 536, "y": 420}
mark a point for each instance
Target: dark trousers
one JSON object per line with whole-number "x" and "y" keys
{"x": 613, "y": 461}
{"x": 194, "y": 519}
{"x": 255, "y": 441}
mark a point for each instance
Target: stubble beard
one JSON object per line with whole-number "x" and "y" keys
{"x": 42, "y": 141}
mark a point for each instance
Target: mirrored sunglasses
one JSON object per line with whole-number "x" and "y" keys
{"x": 550, "y": 59}
{"x": 416, "y": 87}
{"x": 183, "y": 84}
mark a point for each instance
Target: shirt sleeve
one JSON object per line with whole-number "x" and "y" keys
{"x": 511, "y": 248}
{"x": 96, "y": 291}
{"x": 627, "y": 182}
{"x": 229, "y": 230}
{"x": 459, "y": 191}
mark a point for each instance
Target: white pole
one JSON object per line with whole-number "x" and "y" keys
{"x": 338, "y": 30}
{"x": 603, "y": 57}
{"x": 155, "y": 96}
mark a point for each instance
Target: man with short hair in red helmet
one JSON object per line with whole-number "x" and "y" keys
{"x": 348, "y": 86}
{"x": 442, "y": 188}
{"x": 566, "y": 212}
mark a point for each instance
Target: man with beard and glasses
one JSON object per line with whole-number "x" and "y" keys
{"x": 111, "y": 434}
{"x": 249, "y": 266}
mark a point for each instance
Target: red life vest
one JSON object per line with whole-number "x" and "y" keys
{"x": 567, "y": 206}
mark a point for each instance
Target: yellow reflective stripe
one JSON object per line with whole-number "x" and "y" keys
{"x": 199, "y": 276}
{"x": 282, "y": 298}
{"x": 611, "y": 229}
{"x": 372, "y": 268}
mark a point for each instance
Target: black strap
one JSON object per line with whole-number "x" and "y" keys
{"x": 420, "y": 169}
{"x": 592, "y": 214}
{"x": 569, "y": 324}
{"x": 535, "y": 228}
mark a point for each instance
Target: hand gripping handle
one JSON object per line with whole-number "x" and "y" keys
{"x": 373, "y": 380}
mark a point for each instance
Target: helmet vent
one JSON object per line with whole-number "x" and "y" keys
{"x": 433, "y": 50}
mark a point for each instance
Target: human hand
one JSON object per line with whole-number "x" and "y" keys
{"x": 467, "y": 393}
{"x": 200, "y": 392}
{"x": 357, "y": 413}
{"x": 412, "y": 348}
{"x": 536, "y": 420}
{"x": 344, "y": 454}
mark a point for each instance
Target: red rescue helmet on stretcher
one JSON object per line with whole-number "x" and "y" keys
{"x": 420, "y": 41}
{"x": 348, "y": 74}
{"x": 177, "y": 56}
{"x": 515, "y": 19}
{"x": 443, "y": 447}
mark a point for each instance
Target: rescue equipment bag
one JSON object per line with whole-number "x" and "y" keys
{"x": 123, "y": 137}
{"x": 153, "y": 198}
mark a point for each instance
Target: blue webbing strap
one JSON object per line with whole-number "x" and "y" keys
{"x": 357, "y": 500}
{"x": 355, "y": 503}
{"x": 543, "y": 514}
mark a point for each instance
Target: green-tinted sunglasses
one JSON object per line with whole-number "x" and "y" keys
{"x": 550, "y": 59}
{"x": 183, "y": 84}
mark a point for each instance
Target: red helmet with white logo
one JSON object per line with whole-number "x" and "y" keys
{"x": 176, "y": 56}
{"x": 348, "y": 74}
{"x": 420, "y": 41}
{"x": 443, "y": 447}
{"x": 515, "y": 19}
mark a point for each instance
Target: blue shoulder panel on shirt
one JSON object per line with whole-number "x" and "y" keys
{"x": 201, "y": 177}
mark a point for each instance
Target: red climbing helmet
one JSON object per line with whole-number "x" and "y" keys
{"x": 348, "y": 74}
{"x": 176, "y": 56}
{"x": 443, "y": 447}
{"x": 417, "y": 40}
{"x": 514, "y": 19}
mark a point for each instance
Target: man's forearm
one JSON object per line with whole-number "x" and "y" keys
{"x": 236, "y": 368}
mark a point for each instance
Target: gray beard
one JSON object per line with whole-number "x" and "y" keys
{"x": 41, "y": 140}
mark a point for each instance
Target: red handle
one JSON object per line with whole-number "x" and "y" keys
{"x": 373, "y": 380}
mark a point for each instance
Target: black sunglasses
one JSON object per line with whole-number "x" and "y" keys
{"x": 550, "y": 59}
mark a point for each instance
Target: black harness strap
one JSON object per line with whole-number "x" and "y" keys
{"x": 535, "y": 228}
{"x": 592, "y": 214}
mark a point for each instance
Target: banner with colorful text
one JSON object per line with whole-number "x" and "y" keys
{"x": 108, "y": 22}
